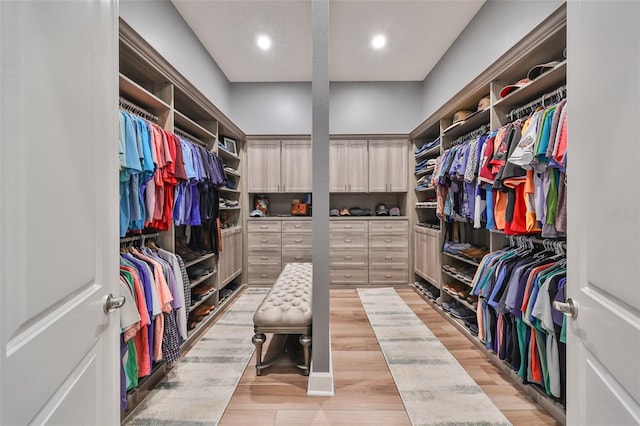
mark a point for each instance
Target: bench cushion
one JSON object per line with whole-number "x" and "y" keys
{"x": 288, "y": 304}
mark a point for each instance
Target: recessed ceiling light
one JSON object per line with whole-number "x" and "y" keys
{"x": 264, "y": 42}
{"x": 378, "y": 41}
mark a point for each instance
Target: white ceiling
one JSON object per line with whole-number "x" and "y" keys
{"x": 418, "y": 33}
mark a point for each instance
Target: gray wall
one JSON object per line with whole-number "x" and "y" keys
{"x": 496, "y": 28}
{"x": 160, "y": 24}
{"x": 375, "y": 107}
{"x": 368, "y": 107}
{"x": 272, "y": 108}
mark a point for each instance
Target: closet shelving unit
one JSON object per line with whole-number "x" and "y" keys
{"x": 545, "y": 43}
{"x": 150, "y": 82}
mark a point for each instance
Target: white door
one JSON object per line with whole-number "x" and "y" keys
{"x": 59, "y": 212}
{"x": 603, "y": 346}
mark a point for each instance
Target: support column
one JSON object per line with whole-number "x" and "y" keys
{"x": 321, "y": 376}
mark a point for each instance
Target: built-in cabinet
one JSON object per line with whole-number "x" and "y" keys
{"x": 279, "y": 166}
{"x": 388, "y": 252}
{"x": 348, "y": 166}
{"x": 150, "y": 87}
{"x": 264, "y": 251}
{"x": 230, "y": 259}
{"x": 426, "y": 254}
{"x": 388, "y": 163}
{"x": 451, "y": 273}
{"x": 349, "y": 252}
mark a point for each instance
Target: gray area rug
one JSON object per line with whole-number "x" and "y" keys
{"x": 435, "y": 388}
{"x": 198, "y": 389}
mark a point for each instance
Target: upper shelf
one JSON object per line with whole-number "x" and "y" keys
{"x": 141, "y": 96}
{"x": 545, "y": 83}
{"x": 188, "y": 125}
{"x": 470, "y": 124}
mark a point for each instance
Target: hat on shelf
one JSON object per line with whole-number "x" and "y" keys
{"x": 382, "y": 210}
{"x": 394, "y": 211}
{"x": 345, "y": 212}
{"x": 540, "y": 69}
{"x": 458, "y": 118}
{"x": 511, "y": 87}
{"x": 484, "y": 103}
{"x": 355, "y": 211}
{"x": 334, "y": 212}
{"x": 366, "y": 212}
{"x": 257, "y": 213}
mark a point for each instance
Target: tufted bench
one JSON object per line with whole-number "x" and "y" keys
{"x": 286, "y": 309}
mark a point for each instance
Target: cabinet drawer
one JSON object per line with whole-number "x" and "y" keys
{"x": 303, "y": 226}
{"x": 348, "y": 226}
{"x": 264, "y": 226}
{"x": 389, "y": 227}
{"x": 302, "y": 241}
{"x": 348, "y": 276}
{"x": 384, "y": 276}
{"x": 348, "y": 240}
{"x": 389, "y": 241}
{"x": 264, "y": 240}
{"x": 381, "y": 258}
{"x": 263, "y": 274}
{"x": 292, "y": 256}
{"x": 348, "y": 258}
{"x": 264, "y": 258}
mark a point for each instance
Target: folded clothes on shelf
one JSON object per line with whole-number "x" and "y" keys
{"x": 427, "y": 146}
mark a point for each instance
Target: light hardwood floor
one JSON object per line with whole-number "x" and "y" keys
{"x": 365, "y": 393}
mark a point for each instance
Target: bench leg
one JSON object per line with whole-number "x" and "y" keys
{"x": 305, "y": 341}
{"x": 258, "y": 339}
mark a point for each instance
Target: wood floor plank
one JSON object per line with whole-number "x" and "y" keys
{"x": 339, "y": 418}
{"x": 365, "y": 393}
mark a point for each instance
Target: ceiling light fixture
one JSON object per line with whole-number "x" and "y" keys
{"x": 263, "y": 42}
{"x": 378, "y": 42}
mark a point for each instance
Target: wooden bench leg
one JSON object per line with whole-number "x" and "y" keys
{"x": 258, "y": 339}
{"x": 305, "y": 341}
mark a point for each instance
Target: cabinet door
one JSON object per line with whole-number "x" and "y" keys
{"x": 378, "y": 166}
{"x": 263, "y": 159}
{"x": 432, "y": 257}
{"x": 338, "y": 166}
{"x": 398, "y": 164}
{"x": 236, "y": 259}
{"x": 358, "y": 166}
{"x": 420, "y": 253}
{"x": 297, "y": 171}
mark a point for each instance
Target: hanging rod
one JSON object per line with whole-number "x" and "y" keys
{"x": 137, "y": 110}
{"x": 556, "y": 96}
{"x": 141, "y": 237}
{"x": 189, "y": 137}
{"x": 523, "y": 240}
{"x": 473, "y": 134}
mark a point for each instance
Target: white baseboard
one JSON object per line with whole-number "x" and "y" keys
{"x": 321, "y": 382}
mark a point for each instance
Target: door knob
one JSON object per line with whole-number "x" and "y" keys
{"x": 569, "y": 308}
{"x": 113, "y": 303}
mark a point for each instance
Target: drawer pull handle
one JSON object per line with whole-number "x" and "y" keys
{"x": 348, "y": 275}
{"x": 264, "y": 241}
{"x": 264, "y": 226}
{"x": 298, "y": 257}
{"x": 388, "y": 258}
{"x": 297, "y": 226}
{"x": 263, "y": 275}
{"x": 264, "y": 257}
{"x": 387, "y": 241}
{"x": 388, "y": 276}
{"x": 348, "y": 241}
{"x": 388, "y": 227}
{"x": 298, "y": 241}
{"x": 348, "y": 227}
{"x": 348, "y": 257}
